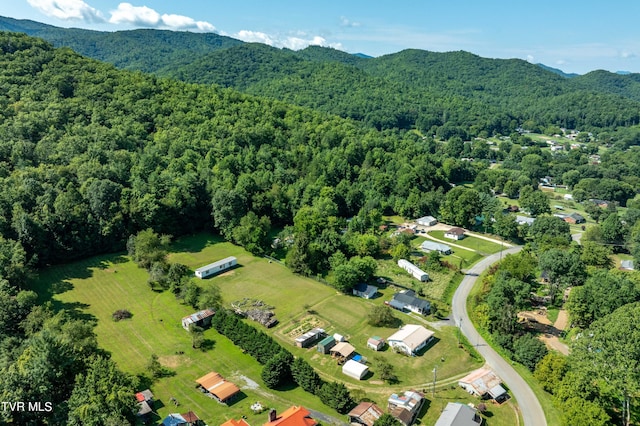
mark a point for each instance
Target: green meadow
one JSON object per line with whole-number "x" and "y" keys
{"x": 94, "y": 288}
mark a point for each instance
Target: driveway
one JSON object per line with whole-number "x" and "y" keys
{"x": 530, "y": 407}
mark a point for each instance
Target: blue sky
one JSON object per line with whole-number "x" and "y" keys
{"x": 574, "y": 36}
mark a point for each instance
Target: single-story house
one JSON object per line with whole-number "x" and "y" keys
{"x": 574, "y": 218}
{"x": 294, "y": 416}
{"x": 326, "y": 344}
{"x": 600, "y": 203}
{"x": 217, "y": 387}
{"x": 343, "y": 349}
{"x": 413, "y": 270}
{"x": 427, "y": 221}
{"x": 365, "y": 413}
{"x": 627, "y": 265}
{"x": 201, "y": 319}
{"x": 454, "y": 234}
{"x": 234, "y": 422}
{"x": 376, "y": 343}
{"x": 410, "y": 339}
{"x": 525, "y": 220}
{"x": 186, "y": 419}
{"x": 309, "y": 338}
{"x": 216, "y": 267}
{"x": 355, "y": 369}
{"x": 405, "y": 407}
{"x": 458, "y": 414}
{"x": 483, "y": 383}
{"x": 406, "y": 300}
{"x": 365, "y": 291}
{"x": 429, "y": 246}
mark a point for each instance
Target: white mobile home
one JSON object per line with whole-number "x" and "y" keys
{"x": 216, "y": 267}
{"x": 413, "y": 270}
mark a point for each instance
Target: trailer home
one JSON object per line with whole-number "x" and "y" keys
{"x": 216, "y": 267}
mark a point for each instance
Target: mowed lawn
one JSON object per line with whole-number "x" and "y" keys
{"x": 472, "y": 243}
{"x": 94, "y": 288}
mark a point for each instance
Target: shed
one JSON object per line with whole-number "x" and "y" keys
{"x": 342, "y": 349}
{"x": 339, "y": 337}
{"x": 309, "y": 338}
{"x": 429, "y": 246}
{"x": 627, "y": 265}
{"x": 216, "y": 267}
{"x": 483, "y": 383}
{"x": 326, "y": 344}
{"x": 376, "y": 343}
{"x": 214, "y": 384}
{"x": 427, "y": 221}
{"x": 365, "y": 291}
{"x": 201, "y": 319}
{"x": 354, "y": 369}
{"x": 365, "y": 413}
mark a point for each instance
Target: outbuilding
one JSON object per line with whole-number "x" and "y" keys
{"x": 216, "y": 267}
{"x": 376, "y": 343}
{"x": 354, "y": 369}
{"x": 365, "y": 291}
{"x": 427, "y": 221}
{"x": 201, "y": 319}
{"x": 325, "y": 345}
{"x": 309, "y": 338}
{"x": 429, "y": 246}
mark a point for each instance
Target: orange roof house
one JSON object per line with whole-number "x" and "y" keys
{"x": 233, "y": 422}
{"x": 293, "y": 416}
{"x": 217, "y": 386}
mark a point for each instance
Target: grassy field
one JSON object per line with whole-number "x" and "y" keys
{"x": 472, "y": 243}
{"x": 93, "y": 289}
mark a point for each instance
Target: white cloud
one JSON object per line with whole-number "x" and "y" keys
{"x": 345, "y": 22}
{"x": 300, "y": 41}
{"x": 68, "y": 10}
{"x": 530, "y": 59}
{"x": 143, "y": 16}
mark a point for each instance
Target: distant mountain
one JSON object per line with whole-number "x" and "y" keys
{"x": 144, "y": 50}
{"x": 453, "y": 93}
{"x": 557, "y": 71}
{"x": 362, "y": 55}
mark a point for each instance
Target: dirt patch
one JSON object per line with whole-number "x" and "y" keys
{"x": 562, "y": 321}
{"x": 376, "y": 382}
{"x": 538, "y": 316}
{"x": 303, "y": 325}
{"x": 173, "y": 361}
{"x": 553, "y": 343}
{"x": 227, "y": 273}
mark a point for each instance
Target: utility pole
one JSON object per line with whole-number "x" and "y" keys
{"x": 435, "y": 374}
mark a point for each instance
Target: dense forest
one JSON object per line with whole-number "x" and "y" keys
{"x": 90, "y": 155}
{"x": 439, "y": 94}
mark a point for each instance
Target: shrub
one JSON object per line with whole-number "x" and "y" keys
{"x": 121, "y": 314}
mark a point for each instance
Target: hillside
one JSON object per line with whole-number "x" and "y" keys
{"x": 453, "y": 93}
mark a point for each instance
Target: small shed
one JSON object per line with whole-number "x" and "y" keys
{"x": 354, "y": 369}
{"x": 376, "y": 343}
{"x": 216, "y": 267}
{"x": 339, "y": 337}
{"x": 326, "y": 344}
{"x": 201, "y": 319}
{"x": 342, "y": 349}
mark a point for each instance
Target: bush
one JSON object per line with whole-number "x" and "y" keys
{"x": 121, "y": 314}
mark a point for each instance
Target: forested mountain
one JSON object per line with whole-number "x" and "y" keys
{"x": 142, "y": 50}
{"x": 454, "y": 93}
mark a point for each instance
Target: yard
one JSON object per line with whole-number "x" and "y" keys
{"x": 96, "y": 287}
{"x": 478, "y": 245}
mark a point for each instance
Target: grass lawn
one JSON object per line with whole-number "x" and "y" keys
{"x": 94, "y": 288}
{"x": 472, "y": 243}
{"x": 434, "y": 289}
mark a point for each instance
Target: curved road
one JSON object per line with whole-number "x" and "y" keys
{"x": 530, "y": 407}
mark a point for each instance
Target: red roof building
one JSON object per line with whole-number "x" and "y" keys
{"x": 293, "y": 416}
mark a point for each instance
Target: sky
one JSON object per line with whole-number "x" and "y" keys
{"x": 576, "y": 36}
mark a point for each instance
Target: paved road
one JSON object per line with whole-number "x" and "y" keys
{"x": 530, "y": 407}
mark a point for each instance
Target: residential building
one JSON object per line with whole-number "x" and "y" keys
{"x": 365, "y": 291}
{"x": 525, "y": 220}
{"x": 454, "y": 234}
{"x": 234, "y": 422}
{"x": 406, "y": 407}
{"x": 574, "y": 218}
{"x": 429, "y": 246}
{"x": 216, "y": 267}
{"x": 417, "y": 273}
{"x": 458, "y": 414}
{"x": 410, "y": 339}
{"x": 406, "y": 300}
{"x": 484, "y": 383}
{"x": 293, "y": 416}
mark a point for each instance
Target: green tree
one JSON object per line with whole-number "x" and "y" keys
{"x": 536, "y": 202}
{"x": 598, "y": 255}
{"x": 400, "y": 251}
{"x": 277, "y": 371}
{"x": 461, "y": 206}
{"x": 102, "y": 395}
{"x": 381, "y": 316}
{"x": 335, "y": 395}
{"x": 528, "y": 351}
{"x": 551, "y": 370}
{"x": 252, "y": 233}
{"x": 387, "y": 420}
{"x": 579, "y": 412}
{"x": 197, "y": 336}
{"x": 385, "y": 370}
{"x": 147, "y": 248}
{"x": 305, "y": 376}
{"x": 564, "y": 269}
{"x": 505, "y": 225}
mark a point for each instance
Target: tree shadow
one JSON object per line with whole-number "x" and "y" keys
{"x": 195, "y": 243}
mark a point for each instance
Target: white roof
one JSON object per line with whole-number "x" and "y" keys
{"x": 216, "y": 264}
{"x": 433, "y": 245}
{"x": 354, "y": 368}
{"x": 412, "y": 335}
